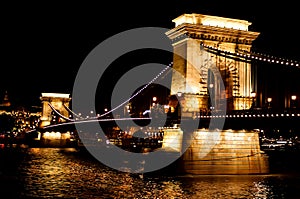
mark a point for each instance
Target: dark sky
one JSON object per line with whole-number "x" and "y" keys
{"x": 44, "y": 44}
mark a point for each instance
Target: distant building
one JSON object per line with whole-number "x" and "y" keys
{"x": 24, "y": 119}
{"x": 5, "y": 105}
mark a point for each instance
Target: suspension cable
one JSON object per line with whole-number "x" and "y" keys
{"x": 248, "y": 56}
{"x": 137, "y": 93}
{"x": 75, "y": 114}
{"x": 66, "y": 118}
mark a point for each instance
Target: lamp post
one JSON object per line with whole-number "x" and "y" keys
{"x": 253, "y": 96}
{"x": 154, "y": 99}
{"x": 153, "y": 102}
{"x": 127, "y": 110}
{"x": 293, "y": 101}
{"x": 269, "y": 100}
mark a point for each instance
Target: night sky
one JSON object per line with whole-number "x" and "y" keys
{"x": 44, "y": 44}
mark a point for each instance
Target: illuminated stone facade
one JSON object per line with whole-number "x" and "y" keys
{"x": 217, "y": 151}
{"x": 58, "y": 101}
{"x": 225, "y": 152}
{"x": 205, "y": 79}
{"x": 202, "y": 73}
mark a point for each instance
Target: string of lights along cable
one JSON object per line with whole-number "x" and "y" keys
{"x": 244, "y": 56}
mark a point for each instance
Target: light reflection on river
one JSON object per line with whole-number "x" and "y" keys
{"x": 65, "y": 173}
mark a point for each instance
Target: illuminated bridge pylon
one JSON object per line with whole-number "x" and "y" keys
{"x": 201, "y": 88}
{"x": 207, "y": 46}
{"x": 54, "y": 102}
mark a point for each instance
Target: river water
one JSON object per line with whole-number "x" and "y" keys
{"x": 70, "y": 173}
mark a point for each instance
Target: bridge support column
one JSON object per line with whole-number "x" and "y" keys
{"x": 58, "y": 101}
{"x": 219, "y": 152}
{"x": 225, "y": 152}
{"x": 191, "y": 104}
{"x": 200, "y": 67}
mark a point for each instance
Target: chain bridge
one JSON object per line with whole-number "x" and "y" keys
{"x": 215, "y": 57}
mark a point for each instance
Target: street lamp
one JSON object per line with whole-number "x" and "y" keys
{"x": 293, "y": 102}
{"x": 269, "y": 100}
{"x": 154, "y": 99}
{"x": 153, "y": 102}
{"x": 253, "y": 96}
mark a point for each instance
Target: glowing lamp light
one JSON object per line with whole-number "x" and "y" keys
{"x": 269, "y": 99}
{"x": 253, "y": 94}
{"x": 59, "y": 95}
{"x": 293, "y": 97}
{"x": 154, "y": 99}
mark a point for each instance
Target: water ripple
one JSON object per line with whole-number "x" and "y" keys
{"x": 68, "y": 173}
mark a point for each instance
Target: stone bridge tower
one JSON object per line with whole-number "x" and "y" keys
{"x": 58, "y": 102}
{"x": 210, "y": 80}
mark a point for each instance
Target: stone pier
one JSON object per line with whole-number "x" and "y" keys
{"x": 217, "y": 152}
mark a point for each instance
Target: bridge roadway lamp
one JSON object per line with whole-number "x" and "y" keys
{"x": 154, "y": 99}
{"x": 86, "y": 84}
{"x": 253, "y": 94}
{"x": 269, "y": 99}
{"x": 293, "y": 102}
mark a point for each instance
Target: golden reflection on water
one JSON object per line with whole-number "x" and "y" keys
{"x": 227, "y": 187}
{"x": 67, "y": 174}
